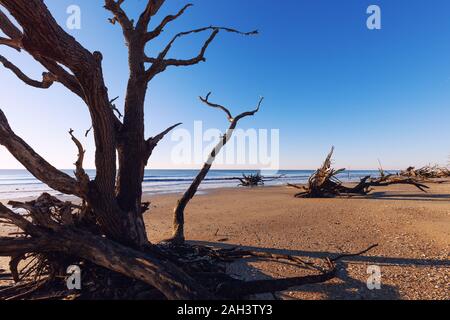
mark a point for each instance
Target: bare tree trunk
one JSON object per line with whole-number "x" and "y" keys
{"x": 132, "y": 144}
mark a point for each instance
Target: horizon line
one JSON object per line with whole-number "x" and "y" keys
{"x": 217, "y": 169}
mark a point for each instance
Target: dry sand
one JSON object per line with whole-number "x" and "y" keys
{"x": 411, "y": 228}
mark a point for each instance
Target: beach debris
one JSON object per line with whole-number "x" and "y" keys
{"x": 106, "y": 232}
{"x": 251, "y": 180}
{"x": 254, "y": 180}
{"x": 427, "y": 172}
{"x": 324, "y": 183}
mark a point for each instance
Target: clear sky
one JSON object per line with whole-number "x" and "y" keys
{"x": 328, "y": 80}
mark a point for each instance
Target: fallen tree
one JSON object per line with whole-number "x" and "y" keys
{"x": 324, "y": 183}
{"x": 251, "y": 180}
{"x": 55, "y": 234}
{"x": 254, "y": 180}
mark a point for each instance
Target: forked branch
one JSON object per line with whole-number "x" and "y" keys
{"x": 160, "y": 63}
{"x": 13, "y": 43}
{"x": 151, "y": 9}
{"x": 120, "y": 16}
{"x": 178, "y": 224}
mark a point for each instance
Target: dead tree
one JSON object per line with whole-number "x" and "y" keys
{"x": 178, "y": 222}
{"x": 114, "y": 197}
{"x": 324, "y": 183}
{"x": 106, "y": 233}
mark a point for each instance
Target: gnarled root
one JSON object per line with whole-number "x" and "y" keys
{"x": 54, "y": 237}
{"x": 51, "y": 228}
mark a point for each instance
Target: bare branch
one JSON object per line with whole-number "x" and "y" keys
{"x": 119, "y": 16}
{"x": 9, "y": 246}
{"x": 47, "y": 78}
{"x": 153, "y": 142}
{"x": 80, "y": 174}
{"x": 228, "y": 113}
{"x": 13, "y": 43}
{"x": 11, "y": 217}
{"x": 178, "y": 221}
{"x": 160, "y": 63}
{"x": 151, "y": 9}
{"x": 62, "y": 76}
{"x": 199, "y": 58}
{"x": 34, "y": 163}
{"x": 88, "y": 131}
{"x": 8, "y": 27}
{"x": 218, "y": 106}
{"x": 160, "y": 28}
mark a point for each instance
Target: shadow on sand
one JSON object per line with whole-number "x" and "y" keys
{"x": 344, "y": 287}
{"x": 407, "y": 197}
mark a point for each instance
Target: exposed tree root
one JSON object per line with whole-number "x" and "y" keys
{"x": 178, "y": 216}
{"x": 51, "y": 240}
{"x": 324, "y": 183}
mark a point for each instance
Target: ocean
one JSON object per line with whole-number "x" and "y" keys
{"x": 16, "y": 184}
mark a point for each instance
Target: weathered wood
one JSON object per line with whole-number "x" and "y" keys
{"x": 178, "y": 217}
{"x": 325, "y": 184}
{"x": 110, "y": 227}
{"x": 427, "y": 172}
{"x": 43, "y": 234}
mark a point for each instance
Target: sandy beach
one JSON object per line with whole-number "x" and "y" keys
{"x": 411, "y": 228}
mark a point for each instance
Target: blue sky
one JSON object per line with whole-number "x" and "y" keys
{"x": 327, "y": 79}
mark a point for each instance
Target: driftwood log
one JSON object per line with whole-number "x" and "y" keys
{"x": 324, "y": 183}
{"x": 427, "y": 172}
